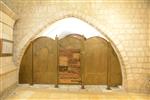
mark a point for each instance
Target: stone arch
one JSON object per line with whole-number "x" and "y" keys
{"x": 117, "y": 46}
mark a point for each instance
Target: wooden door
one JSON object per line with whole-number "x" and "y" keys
{"x": 25, "y": 72}
{"x": 44, "y": 61}
{"x": 95, "y": 61}
{"x": 69, "y": 59}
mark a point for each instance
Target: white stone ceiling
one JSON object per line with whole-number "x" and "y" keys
{"x": 71, "y": 25}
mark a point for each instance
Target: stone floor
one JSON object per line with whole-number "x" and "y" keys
{"x": 72, "y": 92}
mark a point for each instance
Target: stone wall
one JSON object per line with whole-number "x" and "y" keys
{"x": 8, "y": 70}
{"x": 123, "y": 22}
{"x": 149, "y": 38}
{"x": 149, "y": 21}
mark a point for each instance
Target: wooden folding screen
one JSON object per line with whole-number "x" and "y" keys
{"x": 70, "y": 60}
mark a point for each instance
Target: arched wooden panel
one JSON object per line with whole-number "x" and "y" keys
{"x": 44, "y": 61}
{"x": 39, "y": 63}
{"x": 115, "y": 69}
{"x": 25, "y": 73}
{"x": 70, "y": 49}
{"x": 95, "y": 61}
{"x": 72, "y": 41}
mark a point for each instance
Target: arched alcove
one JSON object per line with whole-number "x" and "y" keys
{"x": 70, "y": 25}
{"x": 62, "y": 29}
{"x": 52, "y": 31}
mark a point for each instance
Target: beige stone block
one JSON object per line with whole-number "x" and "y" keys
{"x": 8, "y": 80}
{"x": 123, "y": 53}
{"x": 3, "y": 78}
{"x": 7, "y": 69}
{"x": 0, "y": 16}
{"x": 120, "y": 47}
{"x": 0, "y": 84}
{"x": 6, "y": 61}
{"x": 0, "y": 30}
{"x": 6, "y": 19}
{"x": 7, "y": 32}
{"x": 133, "y": 60}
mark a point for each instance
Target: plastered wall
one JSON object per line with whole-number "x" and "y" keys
{"x": 149, "y": 36}
{"x": 123, "y": 22}
{"x": 8, "y": 70}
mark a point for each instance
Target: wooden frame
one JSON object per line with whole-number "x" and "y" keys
{"x": 108, "y": 66}
{"x": 1, "y": 47}
{"x": 56, "y": 39}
